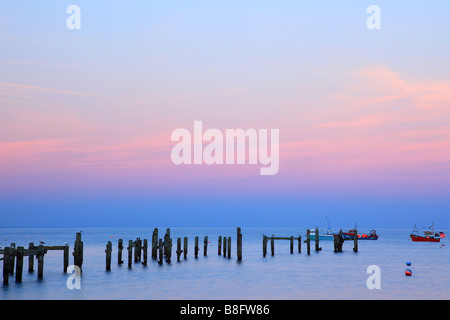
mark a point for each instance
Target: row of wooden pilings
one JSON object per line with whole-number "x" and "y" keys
{"x": 338, "y": 241}
{"x": 13, "y": 256}
{"x": 161, "y": 249}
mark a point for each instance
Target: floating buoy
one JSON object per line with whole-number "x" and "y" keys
{"x": 408, "y": 272}
{"x": 408, "y": 264}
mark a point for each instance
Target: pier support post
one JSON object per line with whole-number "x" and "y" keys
{"x": 19, "y": 264}
{"x": 66, "y": 258}
{"x": 224, "y": 247}
{"x": 6, "y": 254}
{"x": 119, "y": 252}
{"x": 40, "y": 259}
{"x": 299, "y": 244}
{"x": 130, "y": 253}
{"x": 292, "y": 244}
{"x": 229, "y": 247}
{"x": 355, "y": 241}
{"x": 185, "y": 249}
{"x": 31, "y": 258}
{"x": 219, "y": 246}
{"x": 145, "y": 252}
{"x": 317, "y": 240}
{"x": 205, "y": 246}
{"x": 168, "y": 248}
{"x": 264, "y": 245}
{"x": 155, "y": 244}
{"x": 196, "y": 247}
{"x": 179, "y": 251}
{"x": 108, "y": 255}
{"x": 272, "y": 245}
{"x": 239, "y": 244}
{"x": 161, "y": 252}
{"x": 308, "y": 242}
{"x": 78, "y": 251}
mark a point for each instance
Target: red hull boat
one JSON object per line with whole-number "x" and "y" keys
{"x": 428, "y": 235}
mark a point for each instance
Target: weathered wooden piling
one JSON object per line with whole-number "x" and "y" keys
{"x": 272, "y": 245}
{"x": 239, "y": 244}
{"x": 338, "y": 242}
{"x": 179, "y": 251}
{"x": 318, "y": 248}
{"x": 224, "y": 247}
{"x": 166, "y": 238}
{"x": 155, "y": 244}
{"x": 229, "y": 247}
{"x": 31, "y": 258}
{"x": 40, "y": 259}
{"x": 219, "y": 246}
{"x": 137, "y": 250}
{"x": 196, "y": 247}
{"x": 19, "y": 264}
{"x": 308, "y": 242}
{"x": 145, "y": 252}
{"x": 66, "y": 258}
{"x": 6, "y": 262}
{"x": 12, "y": 258}
{"x": 292, "y": 244}
{"x": 185, "y": 249}
{"x": 168, "y": 249}
{"x": 161, "y": 252}
{"x": 299, "y": 244}
{"x": 108, "y": 255}
{"x": 265, "y": 240}
{"x": 205, "y": 246}
{"x": 78, "y": 251}
{"x": 119, "y": 252}
{"x": 355, "y": 241}
{"x": 130, "y": 253}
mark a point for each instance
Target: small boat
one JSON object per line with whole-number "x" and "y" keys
{"x": 323, "y": 235}
{"x": 371, "y": 236}
{"x": 428, "y": 235}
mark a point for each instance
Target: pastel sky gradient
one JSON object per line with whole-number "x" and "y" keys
{"x": 86, "y": 115}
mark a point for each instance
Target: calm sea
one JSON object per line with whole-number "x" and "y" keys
{"x": 322, "y": 275}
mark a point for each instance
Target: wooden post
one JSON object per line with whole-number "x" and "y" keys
{"x": 355, "y": 241}
{"x": 185, "y": 249}
{"x": 108, "y": 255}
{"x": 161, "y": 252}
{"x": 224, "y": 247}
{"x": 6, "y": 254}
{"x": 196, "y": 247}
{"x": 272, "y": 245}
{"x": 166, "y": 237}
{"x": 40, "y": 259}
{"x": 229, "y": 247}
{"x": 219, "y": 246}
{"x": 31, "y": 258}
{"x": 299, "y": 244}
{"x": 205, "y": 246}
{"x": 66, "y": 258}
{"x": 19, "y": 265}
{"x": 119, "y": 250}
{"x": 308, "y": 242}
{"x": 155, "y": 244}
{"x": 264, "y": 245}
{"x": 317, "y": 240}
{"x": 137, "y": 250}
{"x": 78, "y": 251}
{"x": 130, "y": 253}
{"x": 168, "y": 248}
{"x": 145, "y": 249}
{"x": 239, "y": 244}
{"x": 179, "y": 251}
{"x": 338, "y": 242}
{"x": 12, "y": 258}
{"x": 292, "y": 244}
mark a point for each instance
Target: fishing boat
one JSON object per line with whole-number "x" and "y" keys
{"x": 428, "y": 235}
{"x": 349, "y": 235}
{"x": 323, "y": 235}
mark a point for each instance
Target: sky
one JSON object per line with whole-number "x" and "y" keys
{"x": 86, "y": 115}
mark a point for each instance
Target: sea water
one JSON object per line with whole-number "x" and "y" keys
{"x": 320, "y": 275}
